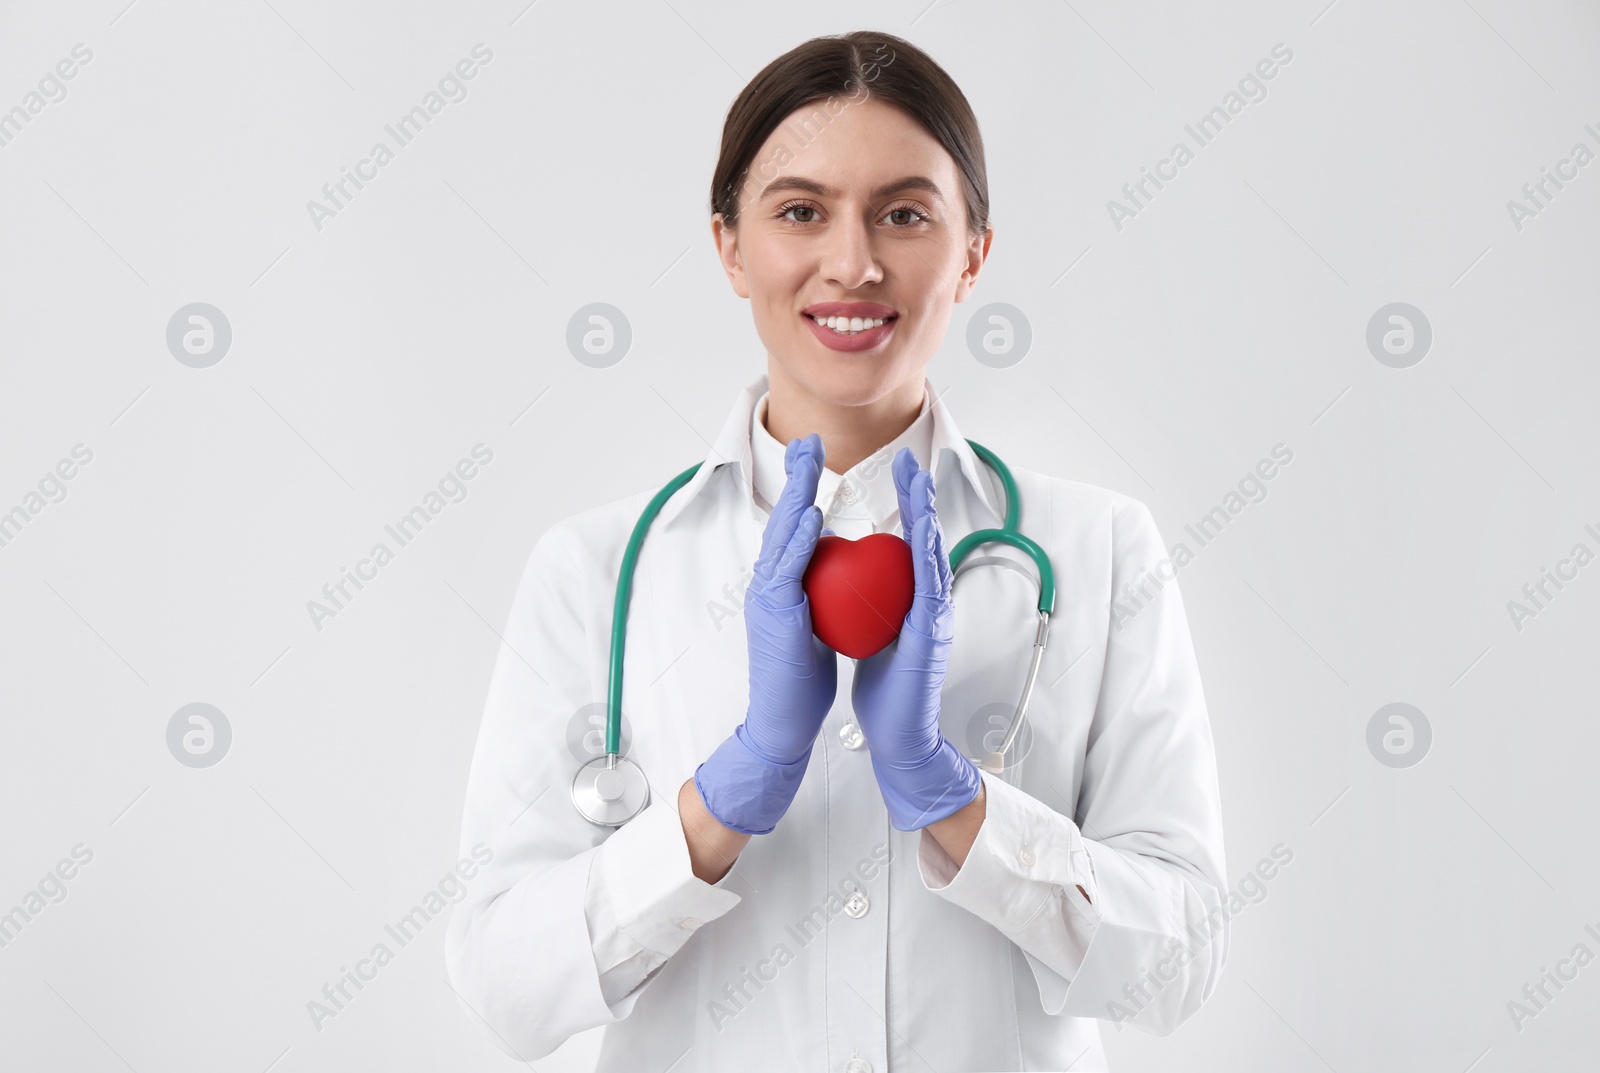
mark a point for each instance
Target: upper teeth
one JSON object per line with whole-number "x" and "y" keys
{"x": 850, "y": 324}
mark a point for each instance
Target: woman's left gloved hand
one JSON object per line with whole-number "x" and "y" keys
{"x": 896, "y": 692}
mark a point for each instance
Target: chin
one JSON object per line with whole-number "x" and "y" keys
{"x": 849, "y": 379}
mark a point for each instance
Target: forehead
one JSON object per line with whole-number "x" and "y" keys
{"x": 853, "y": 146}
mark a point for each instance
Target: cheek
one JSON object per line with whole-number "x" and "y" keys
{"x": 925, "y": 268}
{"x": 934, "y": 301}
{"x": 935, "y": 275}
{"x": 930, "y": 325}
{"x": 774, "y": 278}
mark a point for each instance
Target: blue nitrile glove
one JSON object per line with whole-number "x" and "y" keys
{"x": 922, "y": 776}
{"x": 749, "y": 781}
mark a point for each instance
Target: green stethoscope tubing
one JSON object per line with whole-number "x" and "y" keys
{"x": 1008, "y": 534}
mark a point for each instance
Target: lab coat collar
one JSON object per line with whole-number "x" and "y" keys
{"x": 733, "y": 447}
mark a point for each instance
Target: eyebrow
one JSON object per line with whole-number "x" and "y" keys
{"x": 795, "y": 182}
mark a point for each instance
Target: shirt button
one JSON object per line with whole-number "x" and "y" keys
{"x": 858, "y": 1065}
{"x": 848, "y": 493}
{"x": 689, "y": 923}
{"x": 850, "y": 734}
{"x": 857, "y": 905}
{"x": 1025, "y": 857}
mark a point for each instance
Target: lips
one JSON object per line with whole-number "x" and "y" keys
{"x": 864, "y": 340}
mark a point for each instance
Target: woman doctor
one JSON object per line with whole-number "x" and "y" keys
{"x": 822, "y": 880}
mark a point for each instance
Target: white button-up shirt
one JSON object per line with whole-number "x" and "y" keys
{"x": 837, "y": 943}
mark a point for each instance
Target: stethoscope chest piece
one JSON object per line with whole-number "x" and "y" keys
{"x": 610, "y": 790}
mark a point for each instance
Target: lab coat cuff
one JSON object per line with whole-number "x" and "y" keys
{"x": 649, "y": 886}
{"x": 1143, "y": 924}
{"x": 1024, "y": 856}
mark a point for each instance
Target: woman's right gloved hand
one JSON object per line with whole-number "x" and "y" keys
{"x": 749, "y": 781}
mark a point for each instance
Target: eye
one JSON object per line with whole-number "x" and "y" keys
{"x": 909, "y": 210}
{"x": 791, "y": 206}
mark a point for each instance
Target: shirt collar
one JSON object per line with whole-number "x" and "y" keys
{"x": 933, "y": 433}
{"x": 866, "y": 490}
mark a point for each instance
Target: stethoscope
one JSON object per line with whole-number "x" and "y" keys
{"x": 610, "y": 790}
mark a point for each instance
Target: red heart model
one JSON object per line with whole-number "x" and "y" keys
{"x": 860, "y": 592}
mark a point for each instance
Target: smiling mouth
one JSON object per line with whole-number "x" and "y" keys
{"x": 848, "y": 326}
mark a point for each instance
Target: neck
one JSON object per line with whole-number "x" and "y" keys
{"x": 849, "y": 433}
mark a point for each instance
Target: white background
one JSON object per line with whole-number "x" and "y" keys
{"x": 1168, "y": 357}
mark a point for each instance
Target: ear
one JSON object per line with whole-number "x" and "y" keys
{"x": 977, "y": 254}
{"x": 727, "y": 242}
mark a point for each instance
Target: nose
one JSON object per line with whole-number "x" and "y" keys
{"x": 849, "y": 257}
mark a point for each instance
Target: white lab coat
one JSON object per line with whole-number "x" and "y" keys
{"x": 837, "y": 943}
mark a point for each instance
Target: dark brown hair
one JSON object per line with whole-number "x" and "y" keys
{"x": 857, "y": 65}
